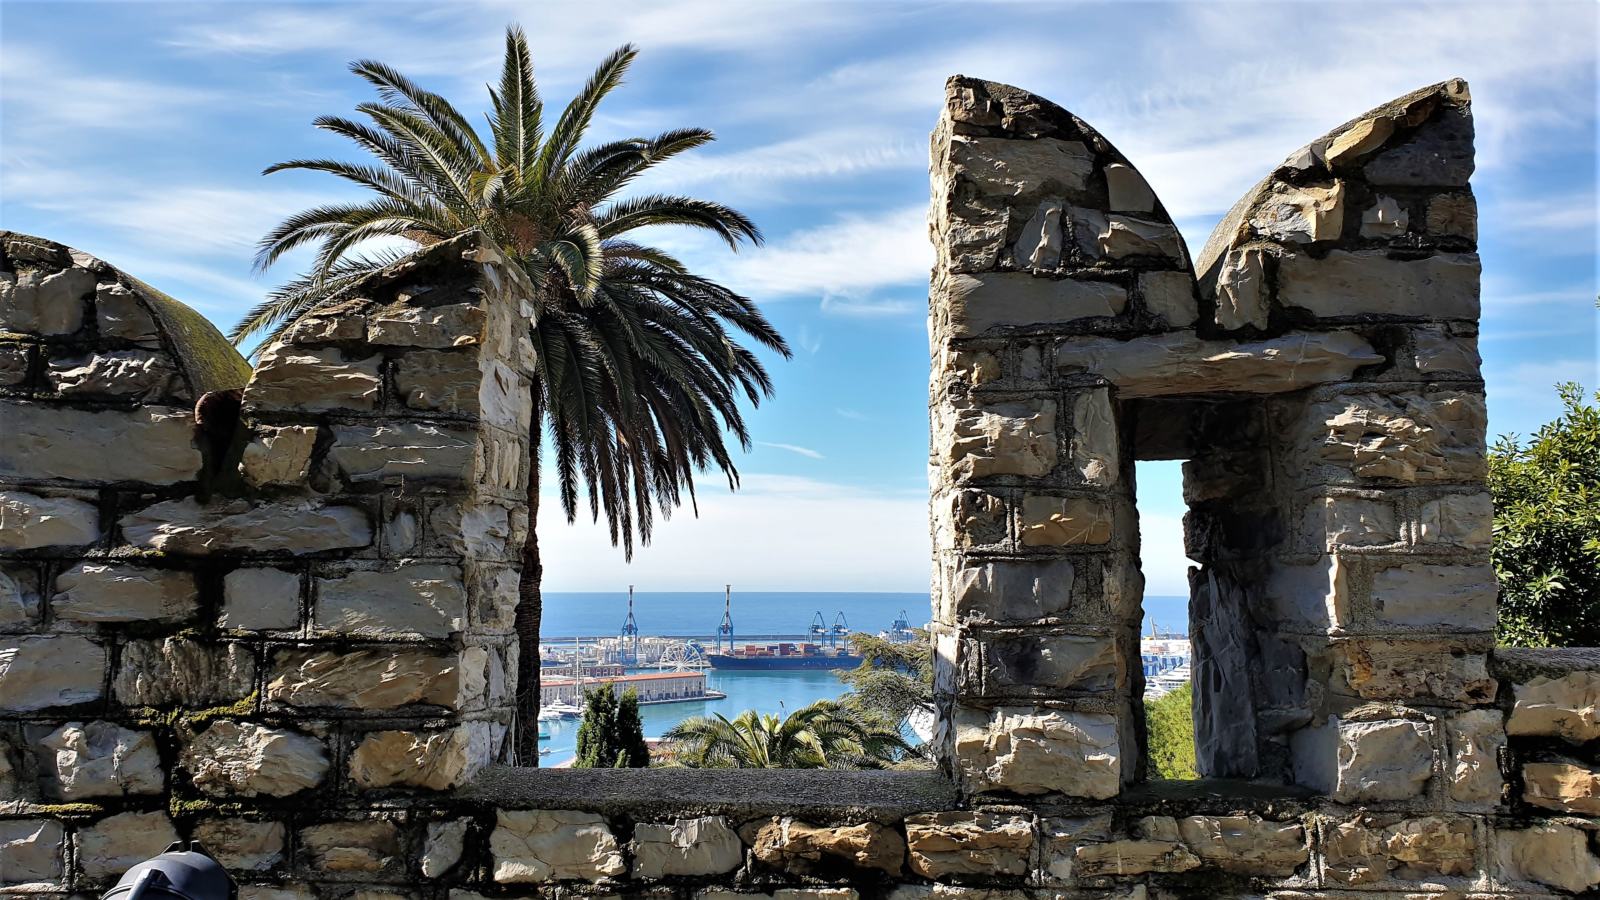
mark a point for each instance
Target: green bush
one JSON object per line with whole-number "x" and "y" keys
{"x": 612, "y": 734}
{"x": 1170, "y": 726}
{"x": 1547, "y": 529}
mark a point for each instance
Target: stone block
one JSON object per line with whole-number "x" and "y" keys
{"x": 1437, "y": 154}
{"x": 1567, "y": 707}
{"x": 296, "y": 526}
{"x": 367, "y": 847}
{"x": 454, "y": 325}
{"x": 1065, "y": 521}
{"x": 1336, "y": 523}
{"x": 91, "y": 593}
{"x": 1437, "y": 596}
{"x": 121, "y": 315}
{"x": 1416, "y": 670}
{"x": 243, "y": 845}
{"x": 290, "y": 377}
{"x": 30, "y": 522}
{"x": 428, "y": 600}
{"x": 1028, "y": 750}
{"x": 1120, "y": 236}
{"x": 179, "y": 671}
{"x": 442, "y": 848}
{"x": 535, "y": 846}
{"x": 1011, "y": 590}
{"x": 1477, "y": 738}
{"x": 363, "y": 679}
{"x": 33, "y": 851}
{"x": 1174, "y": 363}
{"x": 1126, "y": 189}
{"x": 117, "y": 843}
{"x": 1015, "y": 438}
{"x": 1134, "y": 857}
{"x": 1246, "y": 845}
{"x": 434, "y": 760}
{"x": 232, "y": 758}
{"x": 1548, "y": 853}
{"x": 1404, "y": 438}
{"x": 1368, "y": 282}
{"x": 1315, "y": 596}
{"x": 1031, "y": 663}
{"x": 1300, "y": 214}
{"x": 1241, "y": 291}
{"x": 278, "y": 456}
{"x": 15, "y": 360}
{"x": 123, "y": 374}
{"x": 19, "y": 596}
{"x": 978, "y": 843}
{"x": 155, "y": 445}
{"x": 977, "y": 303}
{"x": 1038, "y": 248}
{"x": 260, "y": 599}
{"x": 1385, "y": 218}
{"x": 969, "y": 518}
{"x": 445, "y": 381}
{"x": 40, "y": 302}
{"x": 403, "y": 453}
{"x": 706, "y": 845}
{"x": 1364, "y": 850}
{"x": 1171, "y": 296}
{"x": 1365, "y": 761}
{"x": 1564, "y": 785}
{"x": 1096, "y": 442}
{"x": 1453, "y": 215}
{"x": 1465, "y": 521}
{"x": 1002, "y": 167}
{"x": 43, "y": 672}
{"x": 100, "y": 759}
{"x": 802, "y": 848}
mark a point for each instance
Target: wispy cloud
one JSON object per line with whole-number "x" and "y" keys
{"x": 849, "y": 258}
{"x": 796, "y": 449}
{"x": 853, "y": 415}
{"x": 816, "y": 553}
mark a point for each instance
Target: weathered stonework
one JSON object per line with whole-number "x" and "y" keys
{"x": 290, "y": 636}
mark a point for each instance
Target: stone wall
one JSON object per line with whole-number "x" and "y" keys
{"x": 279, "y": 622}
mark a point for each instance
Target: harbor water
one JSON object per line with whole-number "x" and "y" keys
{"x": 777, "y": 692}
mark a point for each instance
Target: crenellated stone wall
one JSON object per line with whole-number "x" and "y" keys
{"x": 270, "y": 609}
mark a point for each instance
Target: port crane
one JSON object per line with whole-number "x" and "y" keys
{"x": 630, "y": 635}
{"x": 840, "y": 631}
{"x": 819, "y": 630}
{"x": 725, "y": 630}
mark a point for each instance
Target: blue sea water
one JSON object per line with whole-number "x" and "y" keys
{"x": 568, "y": 615}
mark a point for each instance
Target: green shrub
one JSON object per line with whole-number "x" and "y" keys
{"x": 1546, "y": 550}
{"x": 612, "y": 734}
{"x": 1170, "y": 725}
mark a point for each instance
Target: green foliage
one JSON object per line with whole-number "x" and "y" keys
{"x": 1547, "y": 529}
{"x": 1169, "y": 721}
{"x": 611, "y": 736}
{"x": 824, "y": 735}
{"x": 893, "y": 680}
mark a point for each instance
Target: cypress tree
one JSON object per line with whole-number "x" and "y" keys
{"x": 612, "y": 734}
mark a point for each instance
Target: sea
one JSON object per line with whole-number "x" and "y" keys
{"x": 756, "y": 615}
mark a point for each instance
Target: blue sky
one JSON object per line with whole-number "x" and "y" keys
{"x": 136, "y": 132}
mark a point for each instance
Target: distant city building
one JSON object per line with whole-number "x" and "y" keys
{"x": 652, "y": 687}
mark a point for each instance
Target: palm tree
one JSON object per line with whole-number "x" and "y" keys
{"x": 637, "y": 376}
{"x": 824, "y": 735}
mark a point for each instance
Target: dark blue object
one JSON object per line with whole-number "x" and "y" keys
{"x": 187, "y": 872}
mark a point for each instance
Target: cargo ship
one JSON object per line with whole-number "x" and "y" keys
{"x": 828, "y": 649}
{"x": 784, "y": 656}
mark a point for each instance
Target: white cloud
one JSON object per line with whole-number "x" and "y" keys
{"x": 849, "y": 258}
{"x": 818, "y": 535}
{"x": 48, "y": 96}
{"x": 796, "y": 449}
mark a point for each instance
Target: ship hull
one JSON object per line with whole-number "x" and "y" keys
{"x": 771, "y": 663}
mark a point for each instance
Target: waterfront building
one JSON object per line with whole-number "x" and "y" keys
{"x": 652, "y": 687}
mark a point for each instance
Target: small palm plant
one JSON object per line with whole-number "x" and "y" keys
{"x": 638, "y": 374}
{"x": 824, "y": 735}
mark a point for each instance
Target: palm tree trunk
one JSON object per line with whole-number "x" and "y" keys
{"x": 529, "y": 610}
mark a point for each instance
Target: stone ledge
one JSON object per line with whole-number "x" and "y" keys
{"x": 1519, "y": 664}
{"x": 655, "y": 794}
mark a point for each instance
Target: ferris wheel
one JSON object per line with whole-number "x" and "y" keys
{"x": 682, "y": 657}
